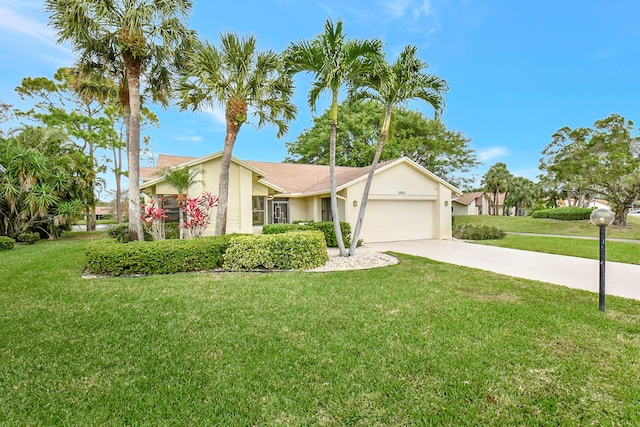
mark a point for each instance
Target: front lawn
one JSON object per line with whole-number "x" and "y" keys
{"x": 418, "y": 343}
{"x": 628, "y": 253}
{"x": 552, "y": 226}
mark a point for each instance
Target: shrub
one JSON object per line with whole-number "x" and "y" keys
{"x": 6, "y": 243}
{"x": 285, "y": 228}
{"x": 29, "y": 238}
{"x": 477, "y": 232}
{"x": 298, "y": 250}
{"x": 121, "y": 233}
{"x": 171, "y": 230}
{"x": 564, "y": 214}
{"x": 326, "y": 227}
{"x": 156, "y": 257}
{"x": 329, "y": 234}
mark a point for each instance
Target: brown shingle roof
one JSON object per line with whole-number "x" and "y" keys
{"x": 297, "y": 178}
{"x": 467, "y": 198}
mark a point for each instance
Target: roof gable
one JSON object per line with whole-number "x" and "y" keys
{"x": 294, "y": 179}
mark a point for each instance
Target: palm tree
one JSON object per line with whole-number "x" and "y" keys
{"x": 243, "y": 79}
{"x": 393, "y": 85}
{"x": 333, "y": 61}
{"x": 180, "y": 179}
{"x": 144, "y": 37}
{"x": 497, "y": 179}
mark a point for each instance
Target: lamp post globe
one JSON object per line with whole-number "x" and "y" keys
{"x": 602, "y": 218}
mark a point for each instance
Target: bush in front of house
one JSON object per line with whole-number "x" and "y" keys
{"x": 120, "y": 232}
{"x": 477, "y": 232}
{"x": 112, "y": 258}
{"x": 6, "y": 243}
{"x": 326, "y": 227}
{"x": 286, "y": 228}
{"x": 296, "y": 250}
{"x": 28, "y": 238}
{"x": 565, "y": 214}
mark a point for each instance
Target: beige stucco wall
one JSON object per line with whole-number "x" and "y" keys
{"x": 463, "y": 210}
{"x": 404, "y": 182}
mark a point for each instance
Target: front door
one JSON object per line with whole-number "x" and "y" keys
{"x": 280, "y": 212}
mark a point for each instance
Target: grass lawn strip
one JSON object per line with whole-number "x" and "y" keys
{"x": 416, "y": 343}
{"x": 628, "y": 253}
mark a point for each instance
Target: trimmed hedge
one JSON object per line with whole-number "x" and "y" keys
{"x": 299, "y": 250}
{"x": 286, "y": 228}
{"x": 326, "y": 227}
{"x": 564, "y": 214}
{"x": 161, "y": 257}
{"x": 6, "y": 243}
{"x": 29, "y": 238}
{"x": 477, "y": 232}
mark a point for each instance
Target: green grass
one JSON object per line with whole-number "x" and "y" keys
{"x": 552, "y": 226}
{"x": 615, "y": 251}
{"x": 419, "y": 343}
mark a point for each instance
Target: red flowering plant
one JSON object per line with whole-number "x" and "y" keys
{"x": 198, "y": 212}
{"x": 153, "y": 219}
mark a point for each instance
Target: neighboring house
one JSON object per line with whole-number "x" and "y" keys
{"x": 406, "y": 201}
{"x": 591, "y": 203}
{"x": 476, "y": 203}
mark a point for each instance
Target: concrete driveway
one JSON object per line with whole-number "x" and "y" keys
{"x": 621, "y": 279}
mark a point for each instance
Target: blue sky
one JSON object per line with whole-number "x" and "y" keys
{"x": 517, "y": 70}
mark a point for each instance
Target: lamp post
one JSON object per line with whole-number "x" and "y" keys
{"x": 602, "y": 217}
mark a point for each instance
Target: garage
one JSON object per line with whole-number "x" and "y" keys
{"x": 392, "y": 220}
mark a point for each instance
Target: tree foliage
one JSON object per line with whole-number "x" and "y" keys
{"x": 243, "y": 79}
{"x": 497, "y": 180}
{"x": 43, "y": 182}
{"x": 129, "y": 40}
{"x": 601, "y": 161}
{"x": 334, "y": 62}
{"x": 445, "y": 152}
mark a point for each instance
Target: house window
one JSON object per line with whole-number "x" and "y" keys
{"x": 326, "y": 209}
{"x": 170, "y": 206}
{"x": 258, "y": 209}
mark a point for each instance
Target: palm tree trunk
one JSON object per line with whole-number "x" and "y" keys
{"x": 332, "y": 175}
{"x": 365, "y": 195}
{"x": 133, "y": 152}
{"x": 235, "y": 115}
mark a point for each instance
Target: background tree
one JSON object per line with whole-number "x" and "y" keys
{"x": 615, "y": 156}
{"x": 391, "y": 85}
{"x": 180, "y": 179}
{"x": 567, "y": 166}
{"x": 523, "y": 196}
{"x": 496, "y": 181}
{"x": 147, "y": 37}
{"x": 333, "y": 61}
{"x": 243, "y": 79}
{"x": 445, "y": 152}
{"x": 602, "y": 161}
{"x": 41, "y": 186}
{"x": 75, "y": 104}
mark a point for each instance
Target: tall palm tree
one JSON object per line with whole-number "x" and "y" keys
{"x": 392, "y": 85}
{"x": 146, "y": 37}
{"x": 333, "y": 61}
{"x": 180, "y": 179}
{"x": 497, "y": 180}
{"x": 244, "y": 80}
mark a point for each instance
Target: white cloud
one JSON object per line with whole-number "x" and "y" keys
{"x": 492, "y": 152}
{"x": 194, "y": 138}
{"x": 415, "y": 8}
{"x": 217, "y": 114}
{"x": 17, "y": 26}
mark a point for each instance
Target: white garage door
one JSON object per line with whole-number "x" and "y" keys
{"x": 392, "y": 220}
